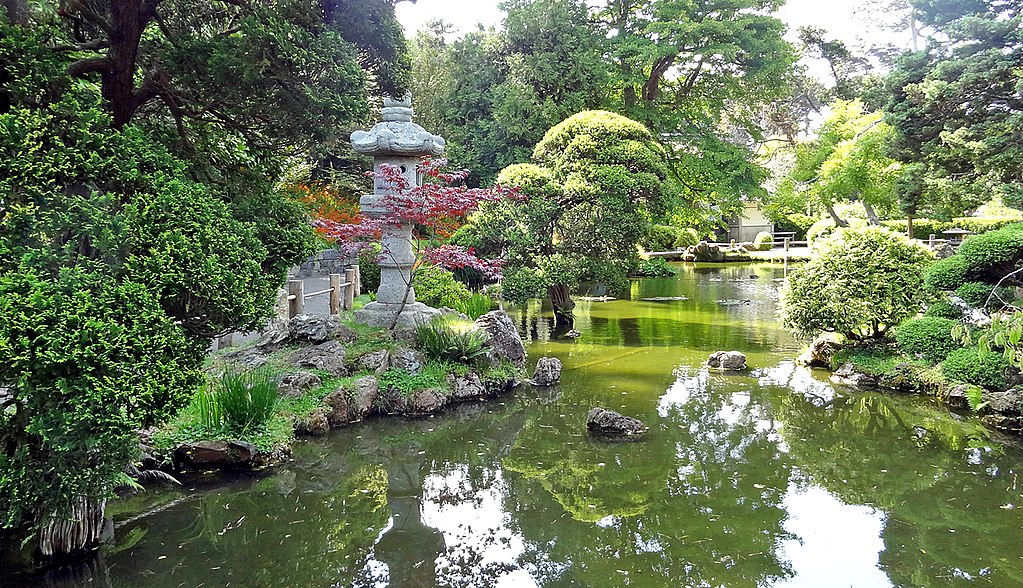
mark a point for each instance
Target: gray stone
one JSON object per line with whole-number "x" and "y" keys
{"x": 467, "y": 387}
{"x": 216, "y": 454}
{"x": 381, "y": 314}
{"x": 247, "y": 358}
{"x": 850, "y": 376}
{"x": 819, "y": 353}
{"x": 374, "y": 361}
{"x": 502, "y": 338}
{"x": 1004, "y": 403}
{"x": 445, "y": 311}
{"x": 425, "y": 402}
{"x": 336, "y": 404}
{"x": 317, "y": 329}
{"x": 409, "y": 360}
{"x": 329, "y": 357}
{"x": 548, "y": 371}
{"x": 601, "y": 421}
{"x": 366, "y": 391}
{"x": 316, "y": 424}
{"x": 727, "y": 360}
{"x": 297, "y": 383}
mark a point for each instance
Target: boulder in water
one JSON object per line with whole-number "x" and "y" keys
{"x": 601, "y": 421}
{"x": 733, "y": 361}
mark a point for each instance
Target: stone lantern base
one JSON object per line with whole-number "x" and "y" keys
{"x": 379, "y": 314}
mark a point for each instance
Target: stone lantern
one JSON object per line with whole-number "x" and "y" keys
{"x": 399, "y": 142}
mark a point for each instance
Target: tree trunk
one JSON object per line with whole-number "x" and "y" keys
{"x": 834, "y": 216}
{"x": 872, "y": 219}
{"x": 17, "y": 11}
{"x": 909, "y": 226}
{"x": 127, "y": 22}
{"x": 70, "y": 535}
{"x": 561, "y": 300}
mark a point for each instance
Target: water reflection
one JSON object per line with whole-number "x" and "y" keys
{"x": 770, "y": 477}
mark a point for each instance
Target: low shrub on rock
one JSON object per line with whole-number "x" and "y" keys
{"x": 944, "y": 309}
{"x": 947, "y": 274}
{"x": 992, "y": 256}
{"x": 763, "y": 241}
{"x": 975, "y": 293}
{"x": 973, "y": 366}
{"x": 929, "y": 337}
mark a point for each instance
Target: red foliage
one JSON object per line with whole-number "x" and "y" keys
{"x": 435, "y": 209}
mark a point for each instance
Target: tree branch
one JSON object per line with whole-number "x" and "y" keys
{"x": 88, "y": 65}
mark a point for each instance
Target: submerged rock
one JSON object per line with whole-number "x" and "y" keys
{"x": 329, "y": 357}
{"x": 601, "y": 421}
{"x": 502, "y": 338}
{"x": 548, "y": 371}
{"x": 850, "y": 375}
{"x": 727, "y": 360}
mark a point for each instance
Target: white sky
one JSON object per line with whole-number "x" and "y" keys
{"x": 836, "y": 16}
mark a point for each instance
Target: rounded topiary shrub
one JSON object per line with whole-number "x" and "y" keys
{"x": 947, "y": 274}
{"x": 860, "y": 282}
{"x": 980, "y": 368}
{"x": 661, "y": 238}
{"x": 436, "y": 287}
{"x": 993, "y": 255}
{"x": 945, "y": 309}
{"x": 929, "y": 337}
{"x": 686, "y": 238}
{"x": 975, "y": 293}
{"x": 764, "y": 241}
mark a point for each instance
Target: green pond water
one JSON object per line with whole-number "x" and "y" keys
{"x": 767, "y": 478}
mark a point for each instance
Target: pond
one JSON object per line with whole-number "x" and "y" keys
{"x": 766, "y": 478}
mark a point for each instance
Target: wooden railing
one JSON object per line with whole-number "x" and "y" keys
{"x": 342, "y": 293}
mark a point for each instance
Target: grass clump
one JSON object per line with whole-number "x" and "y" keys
{"x": 876, "y": 360}
{"x": 448, "y": 339}
{"x": 929, "y": 337}
{"x": 238, "y": 402}
{"x": 432, "y": 376}
{"x": 475, "y": 306}
{"x": 978, "y": 367}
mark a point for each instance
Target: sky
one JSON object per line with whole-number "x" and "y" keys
{"x": 836, "y": 16}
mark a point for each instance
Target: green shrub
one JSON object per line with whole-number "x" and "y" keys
{"x": 437, "y": 287}
{"x": 796, "y": 223}
{"x": 475, "y": 306}
{"x": 944, "y": 309}
{"x": 947, "y": 274}
{"x": 237, "y": 403}
{"x": 991, "y": 256}
{"x": 368, "y": 268}
{"x": 973, "y": 366}
{"x": 661, "y": 238}
{"x": 686, "y": 238}
{"x": 923, "y": 228}
{"x": 860, "y": 283}
{"x": 432, "y": 376}
{"x": 825, "y": 227}
{"x": 449, "y": 339}
{"x": 764, "y": 241}
{"x": 654, "y": 268}
{"x": 929, "y": 337}
{"x": 975, "y": 293}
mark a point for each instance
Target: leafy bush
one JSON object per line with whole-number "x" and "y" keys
{"x": 974, "y": 366}
{"x": 237, "y": 403}
{"x": 654, "y": 268}
{"x": 991, "y": 256}
{"x": 686, "y": 238}
{"x": 947, "y": 274}
{"x": 930, "y": 337}
{"x": 475, "y": 306}
{"x": 860, "y": 283}
{"x": 975, "y": 293}
{"x": 368, "y": 268}
{"x": 764, "y": 241}
{"x": 825, "y": 227}
{"x": 796, "y": 223}
{"x": 945, "y": 309}
{"x": 452, "y": 340}
{"x": 661, "y": 238}
{"x": 436, "y": 286}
